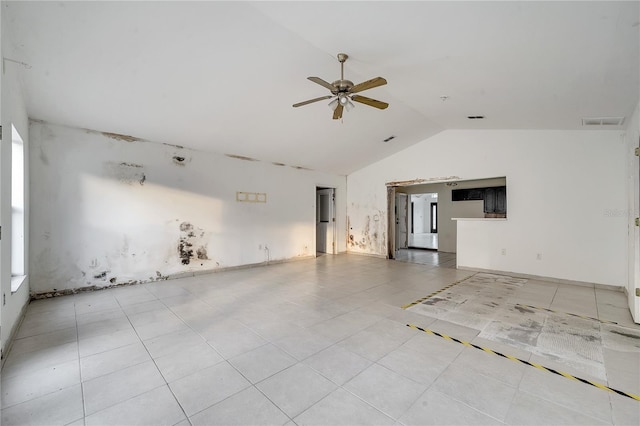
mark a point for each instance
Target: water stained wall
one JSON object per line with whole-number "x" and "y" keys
{"x": 111, "y": 210}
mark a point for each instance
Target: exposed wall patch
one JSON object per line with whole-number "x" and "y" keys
{"x": 124, "y": 172}
{"x": 120, "y": 137}
{"x": 241, "y": 157}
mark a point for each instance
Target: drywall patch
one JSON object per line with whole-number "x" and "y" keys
{"x": 129, "y": 173}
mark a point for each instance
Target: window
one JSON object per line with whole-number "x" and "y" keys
{"x": 17, "y": 210}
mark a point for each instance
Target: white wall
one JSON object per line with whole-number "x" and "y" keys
{"x": 13, "y": 112}
{"x": 111, "y": 211}
{"x": 560, "y": 186}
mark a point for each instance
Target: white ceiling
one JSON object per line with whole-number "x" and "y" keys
{"x": 222, "y": 76}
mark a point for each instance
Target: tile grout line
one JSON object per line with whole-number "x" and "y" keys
{"x": 84, "y": 409}
{"x": 224, "y": 359}
{"x": 152, "y": 359}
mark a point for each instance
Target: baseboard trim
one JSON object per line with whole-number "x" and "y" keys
{"x": 189, "y": 274}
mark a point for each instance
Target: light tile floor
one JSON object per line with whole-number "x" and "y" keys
{"x": 320, "y": 341}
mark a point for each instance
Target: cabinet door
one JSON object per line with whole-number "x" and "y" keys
{"x": 490, "y": 200}
{"x": 501, "y": 199}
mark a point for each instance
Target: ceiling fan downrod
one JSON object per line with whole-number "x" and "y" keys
{"x": 342, "y": 58}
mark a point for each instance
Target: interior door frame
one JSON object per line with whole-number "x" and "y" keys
{"x": 404, "y": 218}
{"x": 433, "y": 206}
{"x": 332, "y": 225}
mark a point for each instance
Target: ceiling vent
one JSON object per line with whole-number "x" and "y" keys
{"x": 602, "y": 121}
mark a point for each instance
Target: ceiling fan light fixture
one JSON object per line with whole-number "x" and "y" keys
{"x": 343, "y": 99}
{"x": 333, "y": 104}
{"x": 349, "y": 105}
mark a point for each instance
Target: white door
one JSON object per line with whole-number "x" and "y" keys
{"x": 325, "y": 220}
{"x": 401, "y": 221}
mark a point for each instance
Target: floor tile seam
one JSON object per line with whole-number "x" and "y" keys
{"x": 373, "y": 406}
{"x": 98, "y": 309}
{"x": 454, "y": 398}
{"x": 120, "y": 402}
{"x": 236, "y": 393}
{"x": 166, "y": 383}
{"x": 353, "y": 394}
{"x": 565, "y": 407}
{"x": 114, "y": 371}
{"x": 41, "y": 396}
{"x": 555, "y": 401}
{"x": 84, "y": 409}
{"x": 105, "y": 333}
{"x": 250, "y": 384}
{"x": 190, "y": 328}
{"x": 4, "y": 379}
{"x": 110, "y": 349}
{"x": 30, "y": 361}
{"x": 45, "y": 348}
{"x": 39, "y": 333}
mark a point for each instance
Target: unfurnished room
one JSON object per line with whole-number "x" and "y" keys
{"x": 320, "y": 213}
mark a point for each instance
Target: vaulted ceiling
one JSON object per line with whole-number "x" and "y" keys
{"x": 222, "y": 76}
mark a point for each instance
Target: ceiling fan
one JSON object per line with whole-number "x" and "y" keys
{"x": 345, "y": 91}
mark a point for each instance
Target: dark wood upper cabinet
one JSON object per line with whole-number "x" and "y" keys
{"x": 495, "y": 198}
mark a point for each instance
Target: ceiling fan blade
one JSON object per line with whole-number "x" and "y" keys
{"x": 369, "y": 84}
{"x": 368, "y": 101}
{"x": 310, "y": 101}
{"x": 322, "y": 83}
{"x": 337, "y": 113}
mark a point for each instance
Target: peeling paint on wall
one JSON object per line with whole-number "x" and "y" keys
{"x": 419, "y": 181}
{"x": 241, "y": 157}
{"x": 373, "y": 236}
{"x": 120, "y": 137}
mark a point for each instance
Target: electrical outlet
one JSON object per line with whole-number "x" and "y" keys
{"x": 539, "y": 256}
{"x": 504, "y": 251}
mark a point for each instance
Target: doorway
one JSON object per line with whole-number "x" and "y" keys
{"x": 424, "y": 221}
{"x": 325, "y": 220}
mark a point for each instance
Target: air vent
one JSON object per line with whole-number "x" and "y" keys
{"x": 475, "y": 117}
{"x": 602, "y": 121}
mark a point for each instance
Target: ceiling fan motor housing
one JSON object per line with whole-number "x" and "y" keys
{"x": 342, "y": 86}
